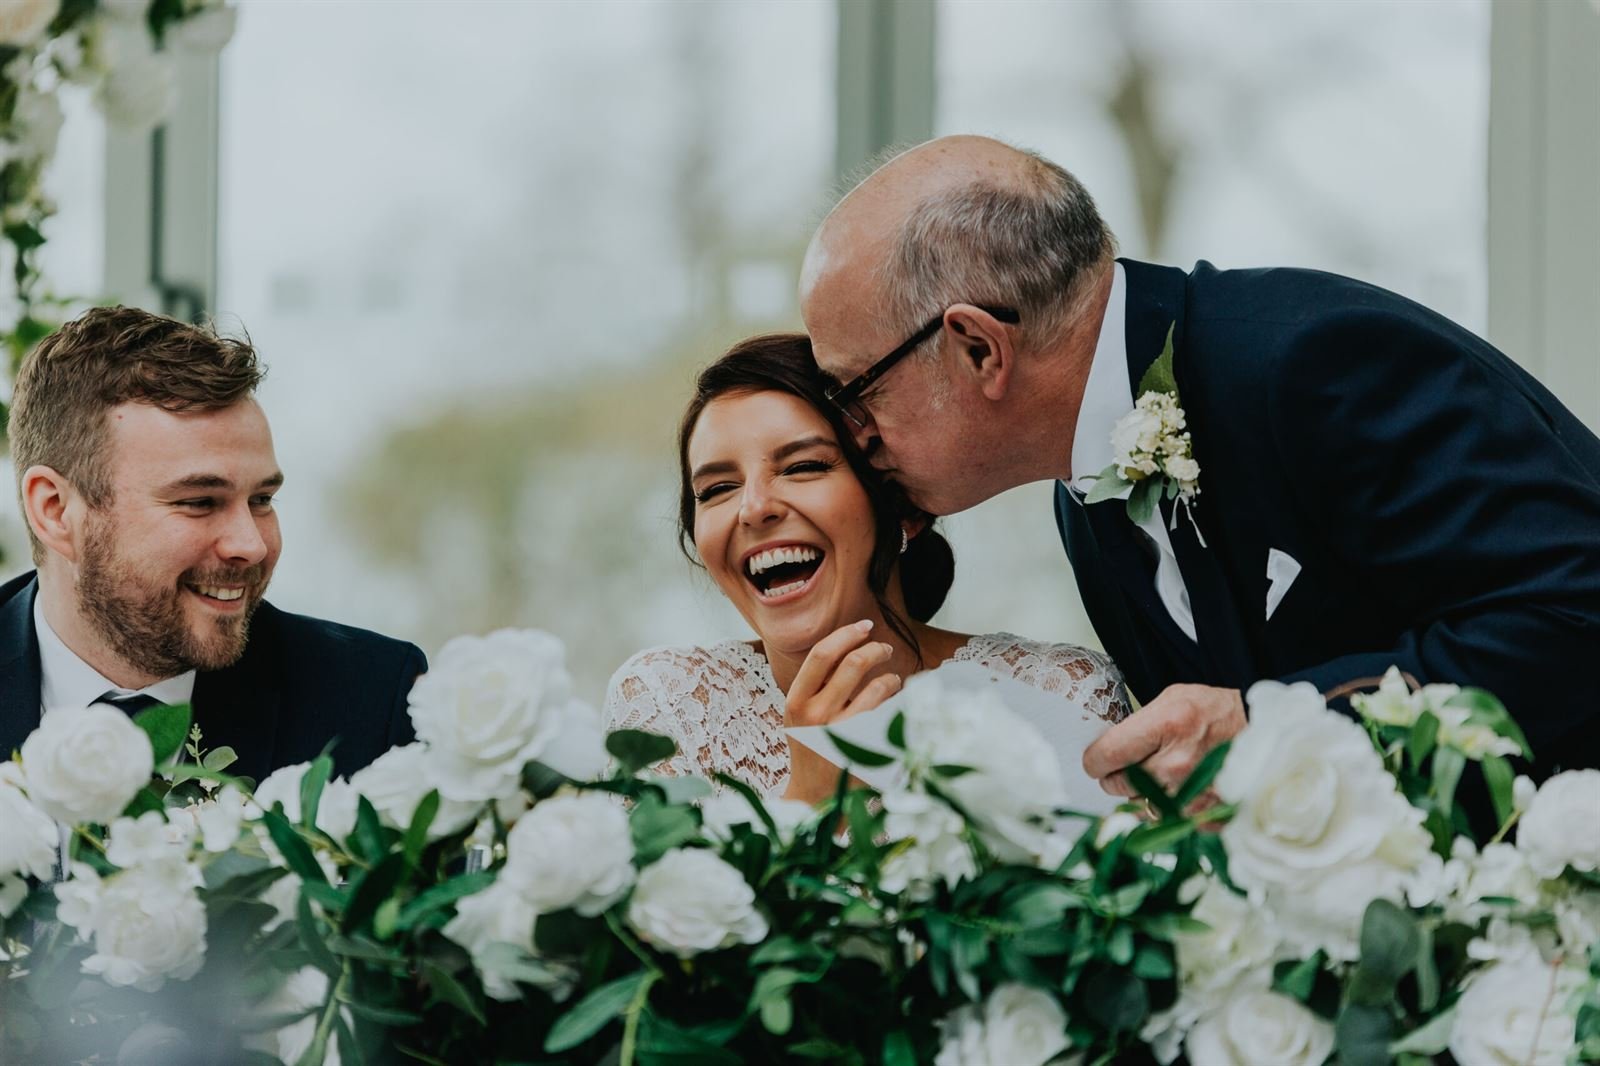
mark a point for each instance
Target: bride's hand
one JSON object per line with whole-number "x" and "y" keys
{"x": 830, "y": 687}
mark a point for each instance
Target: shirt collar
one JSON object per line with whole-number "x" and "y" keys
{"x": 65, "y": 680}
{"x": 1107, "y": 396}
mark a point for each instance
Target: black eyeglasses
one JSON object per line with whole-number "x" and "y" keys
{"x": 847, "y": 397}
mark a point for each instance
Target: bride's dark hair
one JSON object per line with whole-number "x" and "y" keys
{"x": 782, "y": 362}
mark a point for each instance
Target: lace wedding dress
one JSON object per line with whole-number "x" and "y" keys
{"x": 725, "y": 712}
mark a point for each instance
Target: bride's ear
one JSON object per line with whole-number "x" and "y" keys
{"x": 983, "y": 347}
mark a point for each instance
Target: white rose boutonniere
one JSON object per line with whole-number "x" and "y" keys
{"x": 1152, "y": 453}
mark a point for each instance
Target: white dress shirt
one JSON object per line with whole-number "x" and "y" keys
{"x": 65, "y": 680}
{"x": 1107, "y": 396}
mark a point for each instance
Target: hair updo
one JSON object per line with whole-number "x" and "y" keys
{"x": 782, "y": 362}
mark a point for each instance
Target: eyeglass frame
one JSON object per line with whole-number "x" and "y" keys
{"x": 848, "y": 395}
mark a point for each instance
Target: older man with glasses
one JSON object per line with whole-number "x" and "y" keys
{"x": 1376, "y": 486}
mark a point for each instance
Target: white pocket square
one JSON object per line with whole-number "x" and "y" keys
{"x": 1282, "y": 569}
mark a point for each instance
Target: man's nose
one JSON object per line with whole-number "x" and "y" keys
{"x": 242, "y": 539}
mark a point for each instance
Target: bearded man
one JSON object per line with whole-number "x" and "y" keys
{"x": 147, "y": 476}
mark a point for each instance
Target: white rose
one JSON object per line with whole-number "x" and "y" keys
{"x": 689, "y": 901}
{"x": 1241, "y": 938}
{"x": 139, "y": 87}
{"x": 1559, "y": 828}
{"x": 284, "y": 894}
{"x": 1016, "y": 781}
{"x": 147, "y": 839}
{"x": 303, "y": 990}
{"x": 1515, "y": 1011}
{"x": 1500, "y": 871}
{"x": 396, "y": 782}
{"x": 496, "y": 927}
{"x": 207, "y": 31}
{"x": 86, "y": 764}
{"x": 29, "y": 840}
{"x": 1260, "y": 1026}
{"x": 1016, "y": 1026}
{"x": 336, "y": 807}
{"x": 934, "y": 847}
{"x": 23, "y": 22}
{"x": 571, "y": 851}
{"x": 720, "y": 813}
{"x": 1313, "y": 796}
{"x": 491, "y": 704}
{"x": 221, "y": 817}
{"x": 147, "y": 924}
{"x": 1184, "y": 468}
{"x": 1393, "y": 703}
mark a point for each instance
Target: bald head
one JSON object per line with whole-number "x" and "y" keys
{"x": 958, "y": 219}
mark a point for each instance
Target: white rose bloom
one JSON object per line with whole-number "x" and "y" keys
{"x": 723, "y": 811}
{"x": 221, "y": 817}
{"x": 1393, "y": 704}
{"x": 84, "y": 765}
{"x": 148, "y": 838}
{"x": 147, "y": 924}
{"x": 1016, "y": 1026}
{"x": 284, "y": 893}
{"x": 938, "y": 851}
{"x": 1016, "y": 781}
{"x": 1500, "y": 871}
{"x": 1183, "y": 468}
{"x": 1515, "y": 1011}
{"x": 207, "y": 31}
{"x": 1559, "y": 829}
{"x": 303, "y": 990}
{"x": 23, "y": 22}
{"x": 1257, "y": 1026}
{"x": 571, "y": 851}
{"x": 491, "y": 704}
{"x": 29, "y": 840}
{"x": 689, "y": 901}
{"x": 1313, "y": 796}
{"x": 336, "y": 807}
{"x": 396, "y": 782}
{"x": 497, "y": 915}
{"x": 139, "y": 87}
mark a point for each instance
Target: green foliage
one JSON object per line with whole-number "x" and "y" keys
{"x": 167, "y": 726}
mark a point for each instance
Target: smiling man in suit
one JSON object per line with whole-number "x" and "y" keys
{"x": 1377, "y": 485}
{"x": 147, "y": 476}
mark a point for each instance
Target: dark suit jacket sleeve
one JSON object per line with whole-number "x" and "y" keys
{"x": 1469, "y": 498}
{"x": 412, "y": 666}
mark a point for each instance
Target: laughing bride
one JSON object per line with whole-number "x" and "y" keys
{"x": 831, "y": 570}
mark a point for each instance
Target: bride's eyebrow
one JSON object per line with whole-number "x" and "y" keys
{"x": 780, "y": 454}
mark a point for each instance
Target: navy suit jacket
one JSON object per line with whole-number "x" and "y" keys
{"x": 300, "y": 683}
{"x": 1443, "y": 505}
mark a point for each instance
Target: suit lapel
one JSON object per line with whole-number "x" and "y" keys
{"x": 19, "y": 665}
{"x": 1156, "y": 297}
{"x": 239, "y": 706}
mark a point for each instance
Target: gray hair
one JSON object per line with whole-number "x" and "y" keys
{"x": 1030, "y": 246}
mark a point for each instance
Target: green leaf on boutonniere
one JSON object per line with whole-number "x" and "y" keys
{"x": 167, "y": 726}
{"x": 1108, "y": 485}
{"x": 1142, "y": 504}
{"x": 1160, "y": 377}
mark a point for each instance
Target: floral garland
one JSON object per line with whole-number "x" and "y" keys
{"x": 116, "y": 48}
{"x": 496, "y": 892}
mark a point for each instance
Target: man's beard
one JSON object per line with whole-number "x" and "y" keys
{"x": 146, "y": 626}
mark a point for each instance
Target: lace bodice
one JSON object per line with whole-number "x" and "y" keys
{"x": 725, "y": 711}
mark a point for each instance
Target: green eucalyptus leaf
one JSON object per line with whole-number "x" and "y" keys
{"x": 1109, "y": 484}
{"x": 1162, "y": 377}
{"x": 1361, "y": 1035}
{"x": 681, "y": 790}
{"x": 634, "y": 749}
{"x": 1431, "y": 1038}
{"x": 219, "y": 759}
{"x": 167, "y": 726}
{"x": 1142, "y": 504}
{"x": 1116, "y": 999}
{"x": 594, "y": 1011}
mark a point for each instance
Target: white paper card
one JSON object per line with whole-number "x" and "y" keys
{"x": 1068, "y": 729}
{"x": 1282, "y": 569}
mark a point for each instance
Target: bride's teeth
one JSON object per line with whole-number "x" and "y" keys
{"x": 783, "y": 590}
{"x": 763, "y": 561}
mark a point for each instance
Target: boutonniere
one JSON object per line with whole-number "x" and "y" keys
{"x": 1153, "y": 455}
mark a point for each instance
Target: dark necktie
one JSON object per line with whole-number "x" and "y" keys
{"x": 132, "y": 703}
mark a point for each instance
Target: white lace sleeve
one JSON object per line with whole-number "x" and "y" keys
{"x": 1081, "y": 676}
{"x": 715, "y": 703}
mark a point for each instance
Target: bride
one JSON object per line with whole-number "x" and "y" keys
{"x": 834, "y": 572}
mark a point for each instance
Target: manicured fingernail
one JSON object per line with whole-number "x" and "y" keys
{"x": 864, "y": 625}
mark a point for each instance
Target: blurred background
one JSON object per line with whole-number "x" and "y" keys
{"x": 484, "y": 246}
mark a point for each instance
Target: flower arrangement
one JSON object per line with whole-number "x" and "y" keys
{"x": 515, "y": 888}
{"x": 118, "y": 49}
